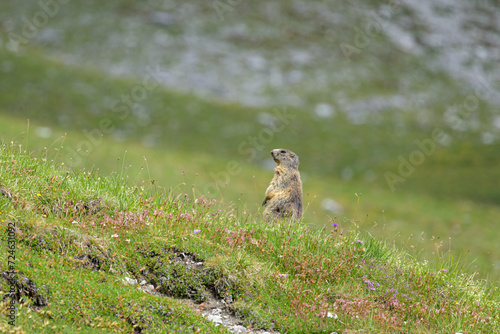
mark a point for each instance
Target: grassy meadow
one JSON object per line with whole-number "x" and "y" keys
{"x": 193, "y": 156}
{"x": 125, "y": 144}
{"x": 80, "y": 235}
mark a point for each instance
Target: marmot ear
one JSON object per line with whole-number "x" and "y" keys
{"x": 292, "y": 155}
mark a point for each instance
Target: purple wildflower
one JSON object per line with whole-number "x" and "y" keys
{"x": 197, "y": 230}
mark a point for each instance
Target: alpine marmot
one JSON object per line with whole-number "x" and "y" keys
{"x": 284, "y": 194}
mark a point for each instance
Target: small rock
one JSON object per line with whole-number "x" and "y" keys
{"x": 237, "y": 329}
{"x": 324, "y": 110}
{"x": 48, "y": 35}
{"x": 129, "y": 281}
{"x": 216, "y": 319}
{"x": 161, "y": 18}
{"x": 143, "y": 282}
{"x": 148, "y": 288}
{"x": 329, "y": 204}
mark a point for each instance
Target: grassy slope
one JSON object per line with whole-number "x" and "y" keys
{"x": 202, "y": 148}
{"x": 466, "y": 169}
{"x": 78, "y": 234}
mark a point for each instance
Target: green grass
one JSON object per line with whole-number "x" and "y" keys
{"x": 445, "y": 213}
{"x": 441, "y": 200}
{"x": 79, "y": 233}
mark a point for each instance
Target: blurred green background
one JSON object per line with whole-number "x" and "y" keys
{"x": 392, "y": 107}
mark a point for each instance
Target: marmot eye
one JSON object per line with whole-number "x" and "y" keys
{"x": 283, "y": 151}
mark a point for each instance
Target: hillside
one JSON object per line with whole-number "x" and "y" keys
{"x": 411, "y": 74}
{"x": 156, "y": 118}
{"x": 94, "y": 255}
{"x": 45, "y": 103}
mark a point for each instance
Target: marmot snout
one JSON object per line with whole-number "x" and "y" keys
{"x": 284, "y": 194}
{"x": 285, "y": 157}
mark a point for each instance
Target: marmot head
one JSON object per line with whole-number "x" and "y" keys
{"x": 285, "y": 158}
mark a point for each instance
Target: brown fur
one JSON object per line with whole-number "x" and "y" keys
{"x": 284, "y": 194}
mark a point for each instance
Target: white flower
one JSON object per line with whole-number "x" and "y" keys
{"x": 332, "y": 315}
